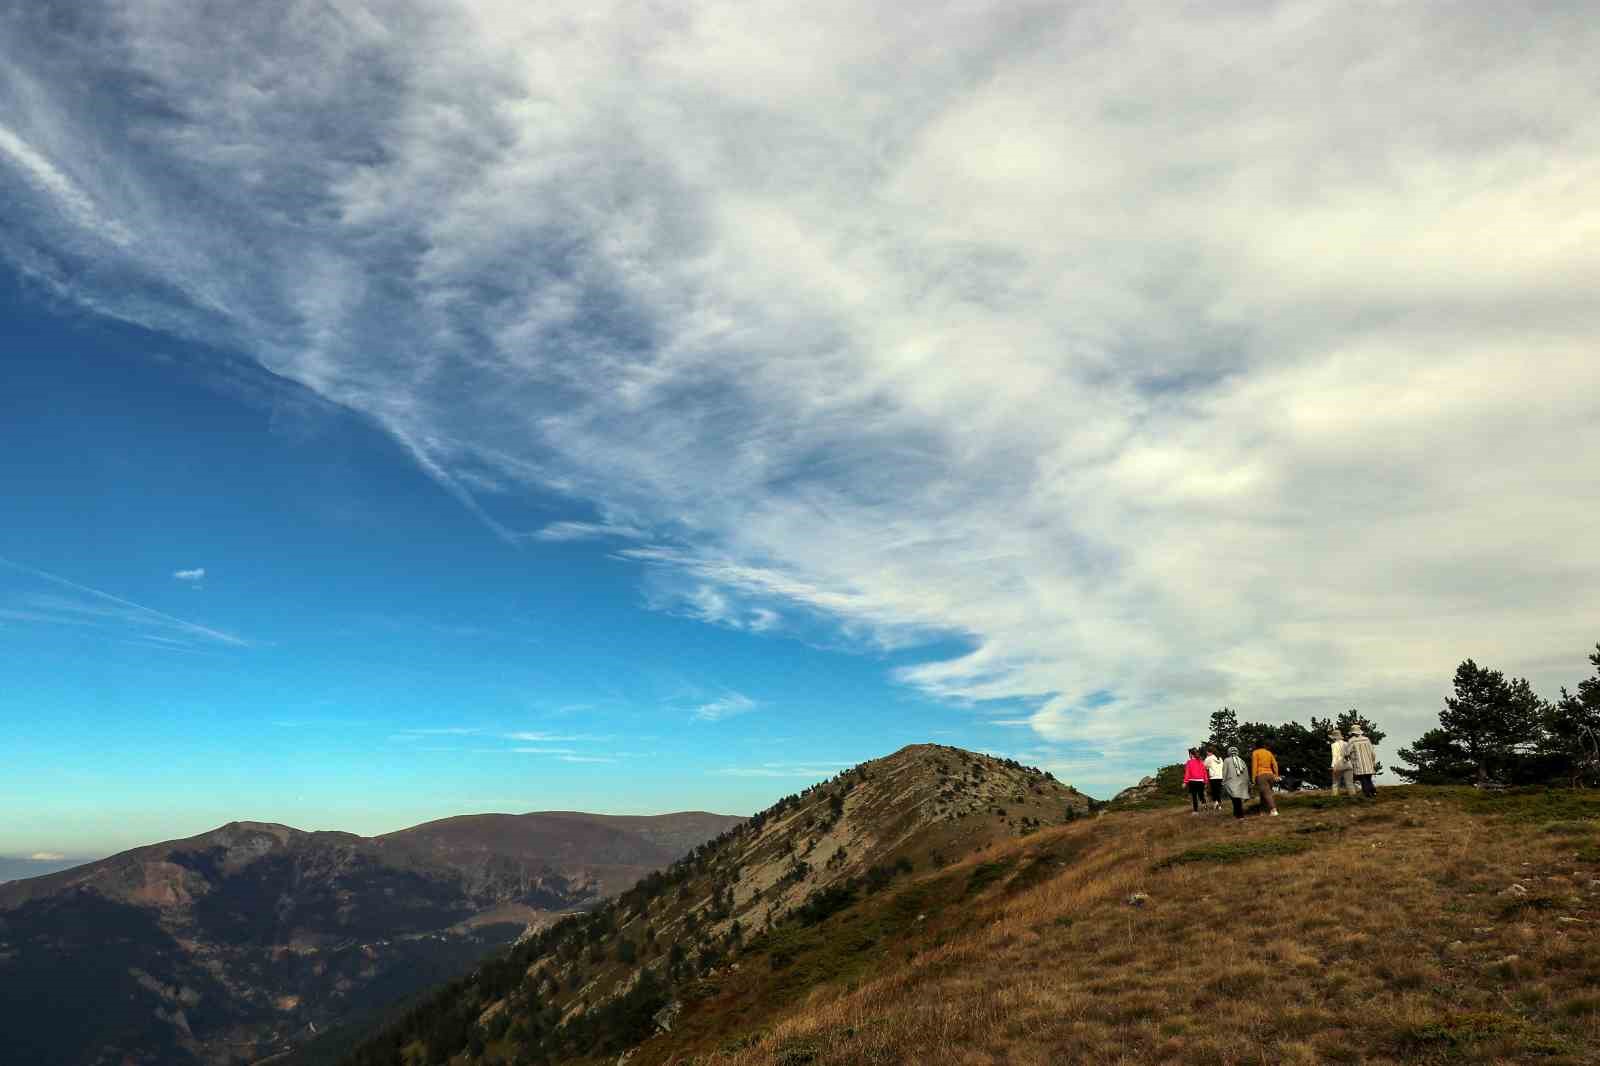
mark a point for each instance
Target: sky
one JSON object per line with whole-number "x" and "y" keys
{"x": 423, "y": 408}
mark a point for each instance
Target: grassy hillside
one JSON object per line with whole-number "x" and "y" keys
{"x": 1434, "y": 925}
{"x": 594, "y": 986}
{"x": 1444, "y": 926}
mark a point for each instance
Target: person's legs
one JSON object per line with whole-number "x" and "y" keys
{"x": 1333, "y": 783}
{"x": 1264, "y": 787}
{"x": 1197, "y": 791}
{"x": 1216, "y": 792}
{"x": 1238, "y": 806}
{"x": 1366, "y": 786}
{"x": 1349, "y": 777}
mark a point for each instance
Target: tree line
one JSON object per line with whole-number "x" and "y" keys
{"x": 1496, "y": 730}
{"x": 1301, "y": 750}
{"x": 1493, "y": 730}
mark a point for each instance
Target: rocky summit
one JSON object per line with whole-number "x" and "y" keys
{"x": 237, "y": 943}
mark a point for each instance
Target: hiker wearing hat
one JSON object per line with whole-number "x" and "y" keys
{"x": 1363, "y": 760}
{"x": 1264, "y": 772}
{"x": 1236, "y": 780}
{"x": 1339, "y": 768}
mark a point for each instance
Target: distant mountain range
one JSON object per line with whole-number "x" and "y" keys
{"x": 239, "y": 942}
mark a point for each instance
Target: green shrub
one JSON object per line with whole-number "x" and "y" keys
{"x": 984, "y": 875}
{"x": 1237, "y": 851}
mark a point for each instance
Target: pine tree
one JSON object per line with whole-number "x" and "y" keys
{"x": 1491, "y": 725}
{"x": 1572, "y": 729}
{"x": 1224, "y": 729}
{"x": 1436, "y": 758}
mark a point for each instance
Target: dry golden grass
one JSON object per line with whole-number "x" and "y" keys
{"x": 1395, "y": 937}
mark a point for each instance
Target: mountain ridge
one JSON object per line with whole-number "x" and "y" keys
{"x": 252, "y": 934}
{"x": 594, "y": 985}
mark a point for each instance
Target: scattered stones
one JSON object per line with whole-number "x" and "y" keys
{"x": 1138, "y": 899}
{"x": 1456, "y": 947}
{"x": 1508, "y": 960}
{"x": 1483, "y": 930}
{"x": 1514, "y": 889}
{"x": 1564, "y": 920}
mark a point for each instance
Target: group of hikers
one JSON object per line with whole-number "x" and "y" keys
{"x": 1351, "y": 761}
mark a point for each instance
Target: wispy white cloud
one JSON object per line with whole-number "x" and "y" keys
{"x": 47, "y": 856}
{"x": 556, "y": 738}
{"x": 60, "y": 190}
{"x": 86, "y": 606}
{"x": 195, "y": 576}
{"x": 730, "y": 705}
{"x": 1103, "y": 342}
{"x": 570, "y": 531}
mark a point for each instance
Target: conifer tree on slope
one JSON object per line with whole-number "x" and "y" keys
{"x": 1572, "y": 729}
{"x": 1224, "y": 729}
{"x": 1488, "y": 729}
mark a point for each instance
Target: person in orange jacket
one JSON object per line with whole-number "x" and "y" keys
{"x": 1264, "y": 771}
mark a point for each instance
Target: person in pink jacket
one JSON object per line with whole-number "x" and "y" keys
{"x": 1194, "y": 779}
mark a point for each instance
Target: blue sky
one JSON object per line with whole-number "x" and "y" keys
{"x": 736, "y": 391}
{"x": 360, "y": 651}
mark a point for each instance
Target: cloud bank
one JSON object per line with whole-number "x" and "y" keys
{"x": 1166, "y": 355}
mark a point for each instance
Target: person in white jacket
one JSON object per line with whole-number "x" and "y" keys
{"x": 1339, "y": 767}
{"x": 1214, "y": 772}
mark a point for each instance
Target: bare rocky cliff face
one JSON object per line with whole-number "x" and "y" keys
{"x": 230, "y": 945}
